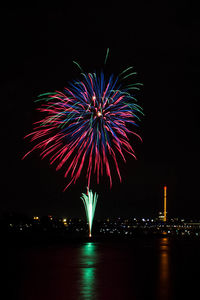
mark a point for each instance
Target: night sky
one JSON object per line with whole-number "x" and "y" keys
{"x": 161, "y": 42}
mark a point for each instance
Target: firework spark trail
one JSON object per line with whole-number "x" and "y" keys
{"x": 88, "y": 125}
{"x": 90, "y": 201}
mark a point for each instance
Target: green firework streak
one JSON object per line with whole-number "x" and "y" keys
{"x": 90, "y": 201}
{"x": 107, "y": 52}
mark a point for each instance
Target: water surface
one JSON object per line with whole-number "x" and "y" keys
{"x": 159, "y": 268}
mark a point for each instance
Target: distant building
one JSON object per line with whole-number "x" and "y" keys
{"x": 161, "y": 216}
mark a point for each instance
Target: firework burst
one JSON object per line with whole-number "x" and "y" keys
{"x": 87, "y": 125}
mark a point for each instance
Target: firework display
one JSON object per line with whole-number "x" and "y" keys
{"x": 85, "y": 128}
{"x": 90, "y": 201}
{"x": 87, "y": 125}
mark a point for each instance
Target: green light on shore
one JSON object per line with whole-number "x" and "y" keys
{"x": 90, "y": 201}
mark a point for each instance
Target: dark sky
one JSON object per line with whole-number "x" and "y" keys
{"x": 161, "y": 41}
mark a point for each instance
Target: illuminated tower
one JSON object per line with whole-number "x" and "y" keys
{"x": 165, "y": 204}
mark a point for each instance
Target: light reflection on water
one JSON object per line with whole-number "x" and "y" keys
{"x": 88, "y": 259}
{"x": 164, "y": 282}
{"x": 140, "y": 269}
